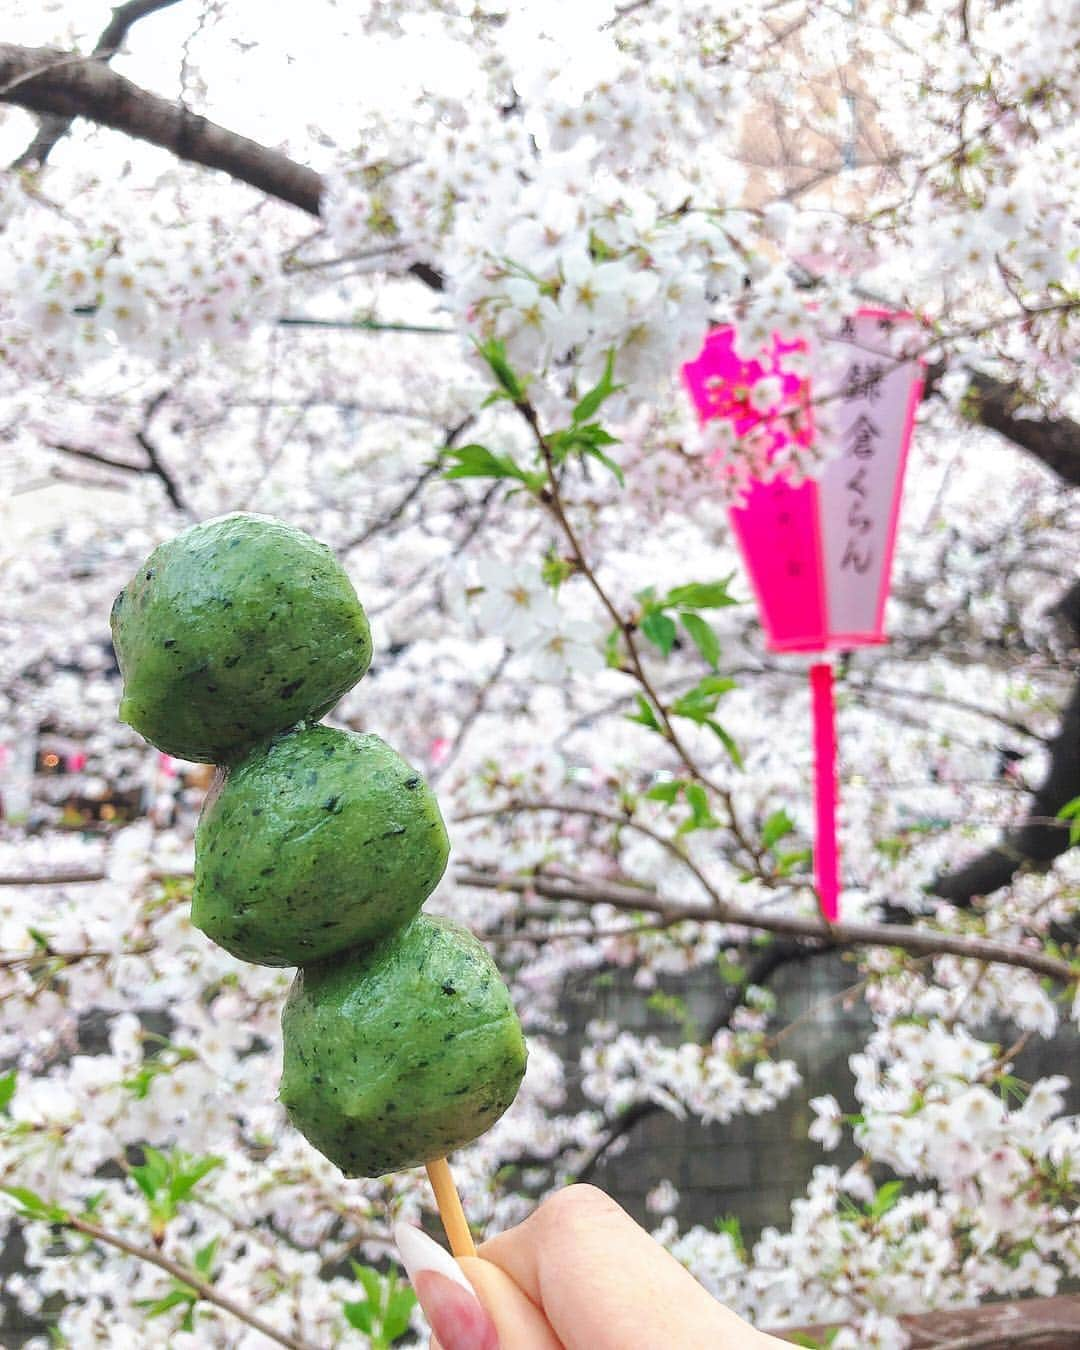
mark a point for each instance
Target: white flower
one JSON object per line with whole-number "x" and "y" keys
{"x": 663, "y": 1198}
{"x": 568, "y": 648}
{"x": 826, "y": 1127}
{"x": 516, "y": 603}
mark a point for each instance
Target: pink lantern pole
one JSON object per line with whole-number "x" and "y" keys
{"x": 819, "y": 553}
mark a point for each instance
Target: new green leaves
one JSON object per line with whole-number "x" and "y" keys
{"x": 659, "y": 627}
{"x": 383, "y": 1313}
{"x": 584, "y": 437}
{"x": 697, "y": 799}
{"x": 167, "y": 1180}
{"x": 476, "y": 461}
{"x": 703, "y": 638}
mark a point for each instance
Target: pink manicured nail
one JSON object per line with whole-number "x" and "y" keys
{"x": 456, "y": 1315}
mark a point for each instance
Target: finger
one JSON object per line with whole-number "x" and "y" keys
{"x": 451, "y": 1306}
{"x": 520, "y": 1323}
{"x": 604, "y": 1284}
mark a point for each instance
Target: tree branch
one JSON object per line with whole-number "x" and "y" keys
{"x": 44, "y": 80}
{"x": 55, "y": 127}
{"x": 918, "y": 941}
{"x": 609, "y": 817}
{"x": 994, "y": 404}
{"x": 154, "y": 461}
{"x": 198, "y": 1286}
{"x": 1035, "y": 843}
{"x": 61, "y": 878}
{"x": 1054, "y": 442}
{"x": 51, "y": 81}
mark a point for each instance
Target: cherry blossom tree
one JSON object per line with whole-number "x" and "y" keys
{"x": 420, "y": 279}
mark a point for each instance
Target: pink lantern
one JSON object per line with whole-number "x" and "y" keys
{"x": 819, "y": 552}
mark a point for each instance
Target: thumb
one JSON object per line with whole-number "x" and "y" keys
{"x": 520, "y": 1323}
{"x": 471, "y": 1304}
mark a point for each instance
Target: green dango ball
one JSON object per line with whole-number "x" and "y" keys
{"x": 316, "y": 841}
{"x": 400, "y": 1053}
{"x": 232, "y": 631}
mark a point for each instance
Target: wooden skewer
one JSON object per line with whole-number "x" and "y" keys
{"x": 450, "y": 1211}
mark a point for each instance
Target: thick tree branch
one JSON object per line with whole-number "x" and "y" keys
{"x": 994, "y": 404}
{"x": 918, "y": 941}
{"x": 52, "y": 81}
{"x": 54, "y": 127}
{"x": 1055, "y": 442}
{"x": 1036, "y": 843}
{"x": 44, "y": 80}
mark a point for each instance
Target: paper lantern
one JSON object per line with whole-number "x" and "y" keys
{"x": 819, "y": 552}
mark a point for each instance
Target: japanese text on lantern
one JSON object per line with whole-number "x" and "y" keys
{"x": 861, "y": 444}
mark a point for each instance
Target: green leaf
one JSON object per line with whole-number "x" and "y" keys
{"x": 700, "y": 702}
{"x": 204, "y": 1257}
{"x": 1071, "y": 811}
{"x": 645, "y": 714}
{"x": 592, "y": 401}
{"x": 776, "y": 827}
{"x": 156, "y": 1307}
{"x": 729, "y": 1224}
{"x": 33, "y": 1206}
{"x": 660, "y": 630}
{"x": 370, "y": 1278}
{"x": 7, "y": 1088}
{"x": 887, "y": 1196}
{"x": 494, "y": 353}
{"x": 704, "y": 639}
{"x": 189, "y": 1176}
{"x": 586, "y": 441}
{"x": 477, "y": 461}
{"x": 399, "y": 1308}
{"x": 594, "y": 452}
{"x": 725, "y": 739}
{"x": 701, "y": 818}
{"x": 730, "y": 972}
{"x": 665, "y": 792}
{"x": 702, "y": 595}
{"x": 359, "y": 1315}
{"x": 611, "y": 649}
{"x": 146, "y": 1181}
{"x": 555, "y": 570}
{"x": 786, "y": 863}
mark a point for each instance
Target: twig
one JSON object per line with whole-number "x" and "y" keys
{"x": 920, "y": 941}
{"x": 469, "y": 719}
{"x": 199, "y": 1286}
{"x": 994, "y": 1340}
{"x": 396, "y": 512}
{"x": 156, "y": 466}
{"x": 60, "y": 878}
{"x": 612, "y": 818}
{"x": 551, "y": 498}
{"x": 361, "y": 325}
{"x": 10, "y": 960}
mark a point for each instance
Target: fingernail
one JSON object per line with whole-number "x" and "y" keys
{"x": 456, "y": 1316}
